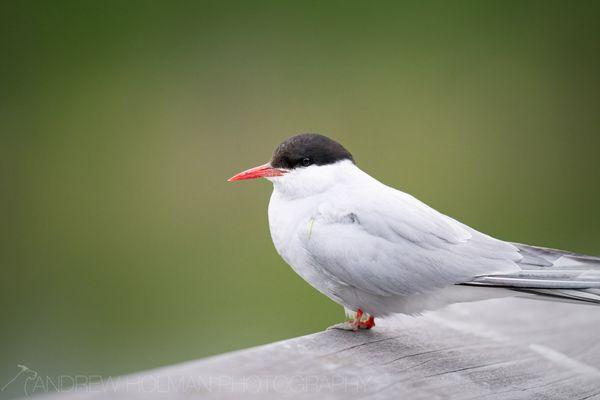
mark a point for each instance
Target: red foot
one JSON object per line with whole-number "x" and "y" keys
{"x": 368, "y": 324}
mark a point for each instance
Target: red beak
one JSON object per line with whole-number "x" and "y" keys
{"x": 262, "y": 171}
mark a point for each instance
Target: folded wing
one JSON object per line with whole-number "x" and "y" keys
{"x": 386, "y": 242}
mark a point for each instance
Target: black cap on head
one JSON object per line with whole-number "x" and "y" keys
{"x": 308, "y": 149}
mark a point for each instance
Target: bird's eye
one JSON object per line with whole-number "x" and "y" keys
{"x": 306, "y": 162}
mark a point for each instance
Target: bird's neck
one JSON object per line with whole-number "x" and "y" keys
{"x": 315, "y": 181}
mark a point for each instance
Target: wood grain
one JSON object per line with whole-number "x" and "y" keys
{"x": 497, "y": 349}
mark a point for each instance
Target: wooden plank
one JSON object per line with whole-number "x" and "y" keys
{"x": 497, "y": 349}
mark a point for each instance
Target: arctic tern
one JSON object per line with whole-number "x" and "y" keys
{"x": 378, "y": 251}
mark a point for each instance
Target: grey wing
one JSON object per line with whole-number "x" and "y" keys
{"x": 388, "y": 243}
{"x": 552, "y": 273}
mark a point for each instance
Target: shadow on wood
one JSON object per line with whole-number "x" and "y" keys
{"x": 497, "y": 349}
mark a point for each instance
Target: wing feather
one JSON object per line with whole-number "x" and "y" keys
{"x": 386, "y": 242}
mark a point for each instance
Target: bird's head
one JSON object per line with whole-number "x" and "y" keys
{"x": 301, "y": 160}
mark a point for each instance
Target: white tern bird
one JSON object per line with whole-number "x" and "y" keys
{"x": 378, "y": 251}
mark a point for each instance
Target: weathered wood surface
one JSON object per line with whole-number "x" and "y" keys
{"x": 498, "y": 349}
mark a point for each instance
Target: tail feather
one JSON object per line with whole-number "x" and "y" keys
{"x": 572, "y": 295}
{"x": 555, "y": 274}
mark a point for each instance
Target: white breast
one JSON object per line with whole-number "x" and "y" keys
{"x": 291, "y": 222}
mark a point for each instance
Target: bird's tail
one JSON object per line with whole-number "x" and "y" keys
{"x": 555, "y": 274}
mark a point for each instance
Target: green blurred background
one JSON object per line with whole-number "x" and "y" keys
{"x": 124, "y": 248}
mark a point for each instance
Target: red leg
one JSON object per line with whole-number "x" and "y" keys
{"x": 358, "y": 324}
{"x": 359, "y": 314}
